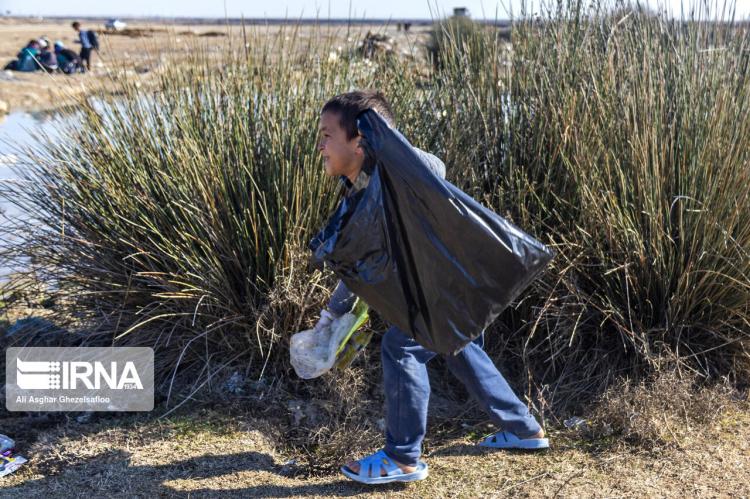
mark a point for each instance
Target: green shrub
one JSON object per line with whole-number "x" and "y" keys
{"x": 630, "y": 153}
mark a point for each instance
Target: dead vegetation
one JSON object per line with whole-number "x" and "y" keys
{"x": 668, "y": 411}
{"x": 229, "y": 451}
{"x": 134, "y": 32}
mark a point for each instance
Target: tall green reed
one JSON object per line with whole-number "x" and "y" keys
{"x": 630, "y": 150}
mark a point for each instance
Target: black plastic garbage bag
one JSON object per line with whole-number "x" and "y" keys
{"x": 421, "y": 252}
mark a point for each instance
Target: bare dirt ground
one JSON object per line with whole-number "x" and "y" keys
{"x": 142, "y": 51}
{"x": 209, "y": 453}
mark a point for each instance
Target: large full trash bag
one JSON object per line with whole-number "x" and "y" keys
{"x": 421, "y": 252}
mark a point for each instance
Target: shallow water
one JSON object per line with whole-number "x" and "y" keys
{"x": 20, "y": 130}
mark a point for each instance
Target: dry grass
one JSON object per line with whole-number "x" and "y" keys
{"x": 667, "y": 411}
{"x": 231, "y": 453}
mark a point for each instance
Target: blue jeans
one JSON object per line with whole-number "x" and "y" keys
{"x": 407, "y": 392}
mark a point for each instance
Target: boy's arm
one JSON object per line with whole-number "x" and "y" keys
{"x": 342, "y": 300}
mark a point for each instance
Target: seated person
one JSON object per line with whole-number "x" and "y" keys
{"x": 26, "y": 60}
{"x": 67, "y": 60}
{"x": 47, "y": 58}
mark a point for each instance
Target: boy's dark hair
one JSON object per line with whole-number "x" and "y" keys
{"x": 75, "y": 24}
{"x": 350, "y": 104}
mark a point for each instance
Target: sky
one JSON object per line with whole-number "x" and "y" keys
{"x": 396, "y": 9}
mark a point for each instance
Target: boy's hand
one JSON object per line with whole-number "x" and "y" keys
{"x": 326, "y": 318}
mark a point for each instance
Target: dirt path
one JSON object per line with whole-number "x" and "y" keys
{"x": 207, "y": 454}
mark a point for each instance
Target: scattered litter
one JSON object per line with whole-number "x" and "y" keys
{"x": 84, "y": 418}
{"x": 381, "y": 424}
{"x": 9, "y": 462}
{"x": 289, "y": 467}
{"x": 295, "y": 407}
{"x": 235, "y": 384}
{"x": 6, "y": 443}
{"x": 575, "y": 423}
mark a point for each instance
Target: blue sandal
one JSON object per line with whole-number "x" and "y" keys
{"x": 507, "y": 440}
{"x": 372, "y": 465}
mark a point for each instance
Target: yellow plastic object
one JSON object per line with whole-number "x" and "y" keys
{"x": 355, "y": 340}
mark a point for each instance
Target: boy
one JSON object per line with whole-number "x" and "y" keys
{"x": 88, "y": 41}
{"x": 407, "y": 388}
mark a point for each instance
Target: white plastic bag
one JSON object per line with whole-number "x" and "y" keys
{"x": 313, "y": 353}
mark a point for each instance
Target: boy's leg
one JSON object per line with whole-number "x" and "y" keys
{"x": 86, "y": 58}
{"x": 478, "y": 373}
{"x": 407, "y": 393}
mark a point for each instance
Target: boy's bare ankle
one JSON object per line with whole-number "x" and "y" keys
{"x": 539, "y": 434}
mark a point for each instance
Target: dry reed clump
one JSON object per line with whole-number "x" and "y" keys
{"x": 667, "y": 410}
{"x": 629, "y": 156}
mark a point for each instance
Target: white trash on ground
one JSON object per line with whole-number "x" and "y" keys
{"x": 8, "y": 461}
{"x": 314, "y": 352}
{"x": 575, "y": 422}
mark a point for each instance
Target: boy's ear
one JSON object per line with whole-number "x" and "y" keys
{"x": 364, "y": 146}
{"x": 361, "y": 144}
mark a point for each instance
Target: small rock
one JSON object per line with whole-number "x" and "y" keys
{"x": 4, "y": 107}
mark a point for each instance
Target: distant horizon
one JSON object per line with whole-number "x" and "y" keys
{"x": 231, "y": 18}
{"x": 306, "y": 10}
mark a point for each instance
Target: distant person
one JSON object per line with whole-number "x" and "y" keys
{"x": 27, "y": 58}
{"x": 89, "y": 42}
{"x": 47, "y": 58}
{"x": 67, "y": 60}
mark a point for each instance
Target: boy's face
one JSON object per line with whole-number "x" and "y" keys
{"x": 341, "y": 156}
